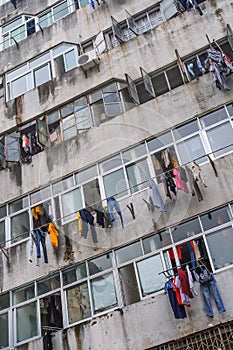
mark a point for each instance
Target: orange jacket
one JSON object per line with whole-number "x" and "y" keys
{"x": 53, "y": 235}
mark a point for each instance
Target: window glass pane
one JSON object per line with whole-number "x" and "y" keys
{"x": 111, "y": 163}
{"x": 83, "y": 118}
{"x": 12, "y": 147}
{"x": 67, "y": 109}
{"x": 129, "y": 284}
{"x": 23, "y": 294}
{"x": 19, "y": 86}
{"x": 12, "y": 25}
{"x": 220, "y": 138}
{"x": 186, "y": 230}
{"x": 230, "y": 109}
{"x": 160, "y": 142}
{"x": 42, "y": 75}
{"x": 5, "y": 40}
{"x": 92, "y": 196}
{"x": 221, "y": 247}
{"x": 51, "y": 311}
{"x": 150, "y": 279}
{"x": 60, "y": 10}
{"x": 4, "y": 301}
{"x": 164, "y": 160}
{"x": 85, "y": 175}
{"x": 74, "y": 274}
{"x": 53, "y": 117}
{"x": 58, "y": 50}
{"x": 133, "y": 153}
{"x": 112, "y": 109}
{"x": 215, "y": 218}
{"x": 108, "y": 98}
{"x": 45, "y": 20}
{"x": 40, "y": 60}
{"x": 16, "y": 72}
{"x": 26, "y": 321}
{"x": 19, "y": 204}
{"x": 18, "y": 34}
{"x": 63, "y": 185}
{"x": 20, "y": 227}
{"x": 71, "y": 204}
{"x": 40, "y": 195}
{"x": 48, "y": 284}
{"x": 185, "y": 130}
{"x": 80, "y": 104}
{"x": 158, "y": 241}
{"x": 191, "y": 149}
{"x": 138, "y": 175}
{"x": 99, "y": 264}
{"x": 2, "y": 232}
{"x": 115, "y": 184}
{"x": 160, "y": 84}
{"x": 213, "y": 117}
{"x": 70, "y": 59}
{"x": 78, "y": 303}
{"x": 103, "y": 293}
{"x": 4, "y": 331}
{"x": 83, "y": 3}
{"x": 95, "y": 96}
{"x": 128, "y": 253}
{"x": 174, "y": 77}
{"x": 69, "y": 127}
{"x": 110, "y": 88}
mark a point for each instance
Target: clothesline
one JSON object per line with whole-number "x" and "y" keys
{"x": 180, "y": 266}
{"x": 26, "y": 233}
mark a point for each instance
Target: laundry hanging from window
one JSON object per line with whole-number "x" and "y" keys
{"x": 220, "y": 65}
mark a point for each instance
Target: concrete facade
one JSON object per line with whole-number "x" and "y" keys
{"x": 149, "y": 321}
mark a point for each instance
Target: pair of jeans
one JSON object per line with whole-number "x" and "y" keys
{"x": 40, "y": 238}
{"x": 112, "y": 203}
{"x": 210, "y": 288}
{"x": 195, "y": 4}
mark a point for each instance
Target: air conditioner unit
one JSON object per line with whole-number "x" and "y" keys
{"x": 88, "y": 60}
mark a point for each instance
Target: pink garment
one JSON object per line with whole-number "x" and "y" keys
{"x": 180, "y": 184}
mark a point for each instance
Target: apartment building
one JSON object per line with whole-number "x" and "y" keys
{"x": 116, "y": 165}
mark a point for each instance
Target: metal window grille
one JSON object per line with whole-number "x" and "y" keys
{"x": 215, "y": 338}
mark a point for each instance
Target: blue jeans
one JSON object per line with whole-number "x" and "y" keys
{"x": 210, "y": 288}
{"x": 112, "y": 203}
{"x": 40, "y": 238}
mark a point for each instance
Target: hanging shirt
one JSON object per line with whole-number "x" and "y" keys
{"x": 53, "y": 235}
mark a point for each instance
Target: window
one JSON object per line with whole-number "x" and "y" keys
{"x": 60, "y": 10}
{"x": 115, "y": 184}
{"x": 220, "y": 138}
{"x": 185, "y": 230}
{"x": 19, "y": 29}
{"x": 221, "y": 246}
{"x": 23, "y": 294}
{"x": 20, "y": 227}
{"x": 158, "y": 241}
{"x": 78, "y": 303}
{"x": 74, "y": 274}
{"x": 148, "y": 271}
{"x": 26, "y": 322}
{"x": 215, "y": 218}
{"x": 99, "y": 264}
{"x": 48, "y": 284}
{"x": 42, "y": 75}
{"x": 4, "y": 342}
{"x": 128, "y": 253}
{"x": 51, "y": 311}
{"x": 138, "y": 175}
{"x": 71, "y": 203}
{"x": 38, "y": 71}
{"x": 103, "y": 293}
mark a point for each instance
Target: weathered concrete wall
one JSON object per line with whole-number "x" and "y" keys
{"x": 141, "y": 122}
{"x": 144, "y": 324}
{"x": 72, "y": 248}
{"x": 131, "y": 55}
